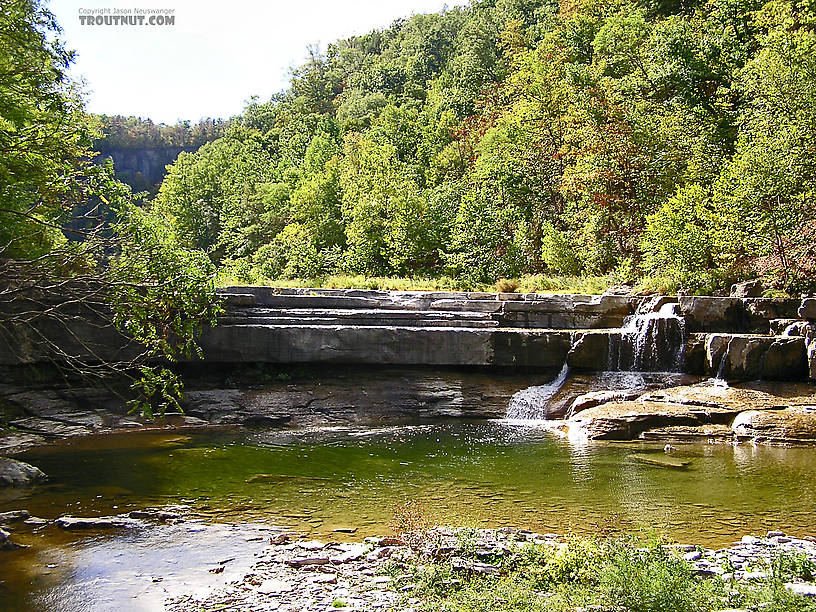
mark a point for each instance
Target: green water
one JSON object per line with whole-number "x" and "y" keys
{"x": 465, "y": 473}
{"x": 476, "y": 474}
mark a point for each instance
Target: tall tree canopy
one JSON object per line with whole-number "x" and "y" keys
{"x": 664, "y": 139}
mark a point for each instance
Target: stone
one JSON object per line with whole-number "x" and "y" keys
{"x": 597, "y": 398}
{"x": 307, "y": 561}
{"x": 627, "y": 420}
{"x": 754, "y": 357}
{"x": 785, "y": 359}
{"x": 274, "y": 586}
{"x": 789, "y": 424}
{"x": 731, "y": 314}
{"x": 589, "y": 351}
{"x": 6, "y": 543}
{"x": 808, "y": 309}
{"x": 14, "y": 516}
{"x": 661, "y": 461}
{"x": 747, "y": 289}
{"x": 101, "y": 522}
{"x": 279, "y": 538}
{"x": 694, "y": 555}
{"x": 159, "y": 515}
{"x": 811, "y": 358}
{"x": 684, "y": 412}
{"x": 15, "y": 473}
{"x": 806, "y": 589}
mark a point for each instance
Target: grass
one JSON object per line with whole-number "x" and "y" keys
{"x": 615, "y": 575}
{"x": 536, "y": 283}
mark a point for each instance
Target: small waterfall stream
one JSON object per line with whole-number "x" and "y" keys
{"x": 531, "y": 403}
{"x": 652, "y": 340}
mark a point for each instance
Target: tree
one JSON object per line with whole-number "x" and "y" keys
{"x": 75, "y": 252}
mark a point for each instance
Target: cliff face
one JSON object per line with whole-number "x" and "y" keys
{"x": 143, "y": 168}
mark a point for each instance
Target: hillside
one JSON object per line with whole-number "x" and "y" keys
{"x": 668, "y": 141}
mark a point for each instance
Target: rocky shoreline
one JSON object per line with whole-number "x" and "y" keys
{"x": 390, "y": 573}
{"x": 380, "y": 573}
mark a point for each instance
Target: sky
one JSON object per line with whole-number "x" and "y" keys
{"x": 217, "y": 54}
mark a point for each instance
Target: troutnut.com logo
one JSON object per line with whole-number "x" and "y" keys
{"x": 127, "y": 16}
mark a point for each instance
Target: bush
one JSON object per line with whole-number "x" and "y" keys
{"x": 557, "y": 253}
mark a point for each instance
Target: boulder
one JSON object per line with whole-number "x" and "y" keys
{"x": 808, "y": 309}
{"x": 15, "y": 473}
{"x": 627, "y": 420}
{"x": 589, "y": 351}
{"x": 748, "y": 289}
{"x": 6, "y": 543}
{"x": 731, "y": 314}
{"x": 785, "y": 359}
{"x": 746, "y": 356}
{"x": 14, "y": 516}
{"x": 689, "y": 412}
{"x": 786, "y": 425}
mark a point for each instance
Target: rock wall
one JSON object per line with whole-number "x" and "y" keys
{"x": 737, "y": 338}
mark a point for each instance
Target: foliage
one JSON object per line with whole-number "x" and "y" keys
{"x": 73, "y": 237}
{"x": 516, "y": 138}
{"x": 588, "y": 573}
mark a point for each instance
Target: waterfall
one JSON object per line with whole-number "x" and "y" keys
{"x": 531, "y": 403}
{"x": 651, "y": 340}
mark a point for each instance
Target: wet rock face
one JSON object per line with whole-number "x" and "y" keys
{"x": 15, "y": 473}
{"x": 808, "y": 309}
{"x": 742, "y": 356}
{"x": 735, "y": 315}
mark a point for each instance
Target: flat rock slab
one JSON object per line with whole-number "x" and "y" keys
{"x": 101, "y": 522}
{"x": 790, "y": 424}
{"x": 705, "y": 409}
{"x": 50, "y": 427}
{"x": 661, "y": 461}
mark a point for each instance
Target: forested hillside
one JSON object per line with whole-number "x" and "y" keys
{"x": 667, "y": 141}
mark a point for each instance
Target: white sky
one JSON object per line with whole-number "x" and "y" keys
{"x": 216, "y": 56}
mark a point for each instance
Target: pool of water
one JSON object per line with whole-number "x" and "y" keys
{"x": 320, "y": 480}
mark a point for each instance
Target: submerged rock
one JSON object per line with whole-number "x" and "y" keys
{"x": 6, "y": 542}
{"x": 661, "y": 461}
{"x": 101, "y": 522}
{"x": 15, "y": 473}
{"x": 14, "y": 516}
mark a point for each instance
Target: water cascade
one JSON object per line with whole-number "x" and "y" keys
{"x": 531, "y": 403}
{"x": 652, "y": 340}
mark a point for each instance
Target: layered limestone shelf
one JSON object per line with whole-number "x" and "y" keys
{"x": 737, "y": 338}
